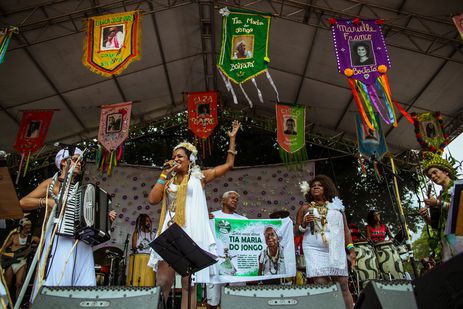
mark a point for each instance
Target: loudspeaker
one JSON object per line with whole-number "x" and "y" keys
{"x": 441, "y": 287}
{"x": 387, "y": 295}
{"x": 296, "y": 296}
{"x": 103, "y": 297}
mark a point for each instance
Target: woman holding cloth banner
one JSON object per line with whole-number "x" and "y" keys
{"x": 180, "y": 188}
{"x": 326, "y": 235}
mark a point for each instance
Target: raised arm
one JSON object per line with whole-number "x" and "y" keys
{"x": 36, "y": 198}
{"x": 220, "y": 170}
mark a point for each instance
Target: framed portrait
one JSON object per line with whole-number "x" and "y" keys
{"x": 203, "y": 109}
{"x": 290, "y": 125}
{"x": 112, "y": 37}
{"x": 361, "y": 53}
{"x": 242, "y": 47}
{"x": 114, "y": 123}
{"x": 33, "y": 129}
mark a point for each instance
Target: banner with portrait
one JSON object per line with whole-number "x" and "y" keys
{"x": 370, "y": 143}
{"x": 430, "y": 131}
{"x": 254, "y": 249}
{"x": 290, "y": 126}
{"x": 362, "y": 57}
{"x": 31, "y": 134}
{"x": 202, "y": 113}
{"x": 112, "y": 42}
{"x": 113, "y": 131}
{"x": 458, "y": 21}
{"x": 244, "y": 48}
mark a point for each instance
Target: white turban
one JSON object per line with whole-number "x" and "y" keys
{"x": 64, "y": 154}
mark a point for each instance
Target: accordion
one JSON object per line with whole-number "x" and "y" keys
{"x": 86, "y": 215}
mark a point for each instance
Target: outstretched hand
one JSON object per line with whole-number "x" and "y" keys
{"x": 235, "y": 127}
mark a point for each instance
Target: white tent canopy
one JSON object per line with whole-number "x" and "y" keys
{"x": 180, "y": 43}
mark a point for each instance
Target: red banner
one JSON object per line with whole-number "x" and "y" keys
{"x": 114, "y": 125}
{"x": 33, "y": 130}
{"x": 202, "y": 113}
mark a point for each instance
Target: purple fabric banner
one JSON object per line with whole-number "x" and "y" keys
{"x": 360, "y": 48}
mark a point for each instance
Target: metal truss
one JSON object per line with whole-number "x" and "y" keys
{"x": 207, "y": 28}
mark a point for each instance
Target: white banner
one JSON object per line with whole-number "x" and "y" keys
{"x": 254, "y": 249}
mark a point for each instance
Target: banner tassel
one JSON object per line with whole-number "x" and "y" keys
{"x": 364, "y": 116}
{"x": 269, "y": 77}
{"x": 27, "y": 164}
{"x": 259, "y": 93}
{"x": 246, "y": 95}
{"x": 229, "y": 87}
{"x": 20, "y": 166}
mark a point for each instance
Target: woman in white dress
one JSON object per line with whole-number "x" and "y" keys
{"x": 184, "y": 202}
{"x": 326, "y": 235}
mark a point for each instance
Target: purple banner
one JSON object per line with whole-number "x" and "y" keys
{"x": 360, "y": 48}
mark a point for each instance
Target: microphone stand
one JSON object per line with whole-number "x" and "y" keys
{"x": 123, "y": 262}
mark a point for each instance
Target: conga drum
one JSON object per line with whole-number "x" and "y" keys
{"x": 140, "y": 274}
{"x": 390, "y": 263}
{"x": 367, "y": 264}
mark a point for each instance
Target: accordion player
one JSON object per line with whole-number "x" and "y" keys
{"x": 86, "y": 216}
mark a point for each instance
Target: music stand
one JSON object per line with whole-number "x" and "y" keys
{"x": 182, "y": 253}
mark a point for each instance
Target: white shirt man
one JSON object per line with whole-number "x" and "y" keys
{"x": 230, "y": 200}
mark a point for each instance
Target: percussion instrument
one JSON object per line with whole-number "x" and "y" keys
{"x": 300, "y": 262}
{"x": 140, "y": 274}
{"x": 367, "y": 265}
{"x": 390, "y": 263}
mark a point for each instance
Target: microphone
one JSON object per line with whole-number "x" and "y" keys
{"x": 428, "y": 191}
{"x": 168, "y": 165}
{"x": 311, "y": 224}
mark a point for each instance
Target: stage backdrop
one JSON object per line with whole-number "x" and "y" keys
{"x": 263, "y": 190}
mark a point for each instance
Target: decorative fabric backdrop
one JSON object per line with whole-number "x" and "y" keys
{"x": 263, "y": 190}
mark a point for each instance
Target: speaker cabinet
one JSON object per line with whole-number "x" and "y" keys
{"x": 110, "y": 297}
{"x": 441, "y": 287}
{"x": 277, "y": 296}
{"x": 387, "y": 295}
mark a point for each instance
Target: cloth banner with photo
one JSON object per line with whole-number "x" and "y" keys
{"x": 291, "y": 132}
{"x": 254, "y": 249}
{"x": 371, "y": 143}
{"x": 112, "y": 42}
{"x": 202, "y": 118}
{"x": 113, "y": 131}
{"x": 244, "y": 49}
{"x": 430, "y": 131}
{"x": 363, "y": 58}
{"x": 5, "y": 38}
{"x": 458, "y": 21}
{"x": 32, "y": 133}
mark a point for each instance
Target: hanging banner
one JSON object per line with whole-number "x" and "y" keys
{"x": 33, "y": 130}
{"x": 290, "y": 126}
{"x": 202, "y": 113}
{"x": 244, "y": 48}
{"x": 5, "y": 38}
{"x": 251, "y": 250}
{"x": 112, "y": 42}
{"x": 114, "y": 125}
{"x": 430, "y": 132}
{"x": 458, "y": 21}
{"x": 370, "y": 143}
{"x": 362, "y": 57}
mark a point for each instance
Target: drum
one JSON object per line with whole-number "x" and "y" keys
{"x": 390, "y": 263}
{"x": 140, "y": 274}
{"x": 367, "y": 264}
{"x": 100, "y": 278}
{"x": 300, "y": 262}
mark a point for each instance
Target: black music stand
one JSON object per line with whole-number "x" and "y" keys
{"x": 182, "y": 253}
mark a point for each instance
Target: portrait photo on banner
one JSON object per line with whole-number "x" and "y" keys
{"x": 431, "y": 129}
{"x": 370, "y": 136}
{"x": 243, "y": 46}
{"x": 361, "y": 53}
{"x": 113, "y": 123}
{"x": 112, "y": 37}
{"x": 33, "y": 129}
{"x": 290, "y": 125}
{"x": 203, "y": 109}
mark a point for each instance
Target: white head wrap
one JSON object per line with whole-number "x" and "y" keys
{"x": 191, "y": 148}
{"x": 64, "y": 154}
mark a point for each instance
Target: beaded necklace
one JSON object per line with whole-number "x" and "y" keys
{"x": 322, "y": 211}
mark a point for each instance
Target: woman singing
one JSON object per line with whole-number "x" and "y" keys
{"x": 180, "y": 188}
{"x": 326, "y": 236}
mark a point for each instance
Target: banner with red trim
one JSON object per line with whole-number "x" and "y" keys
{"x": 112, "y": 42}
{"x": 33, "y": 130}
{"x": 202, "y": 113}
{"x": 430, "y": 131}
{"x": 290, "y": 126}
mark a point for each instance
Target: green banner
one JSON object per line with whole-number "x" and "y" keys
{"x": 244, "y": 46}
